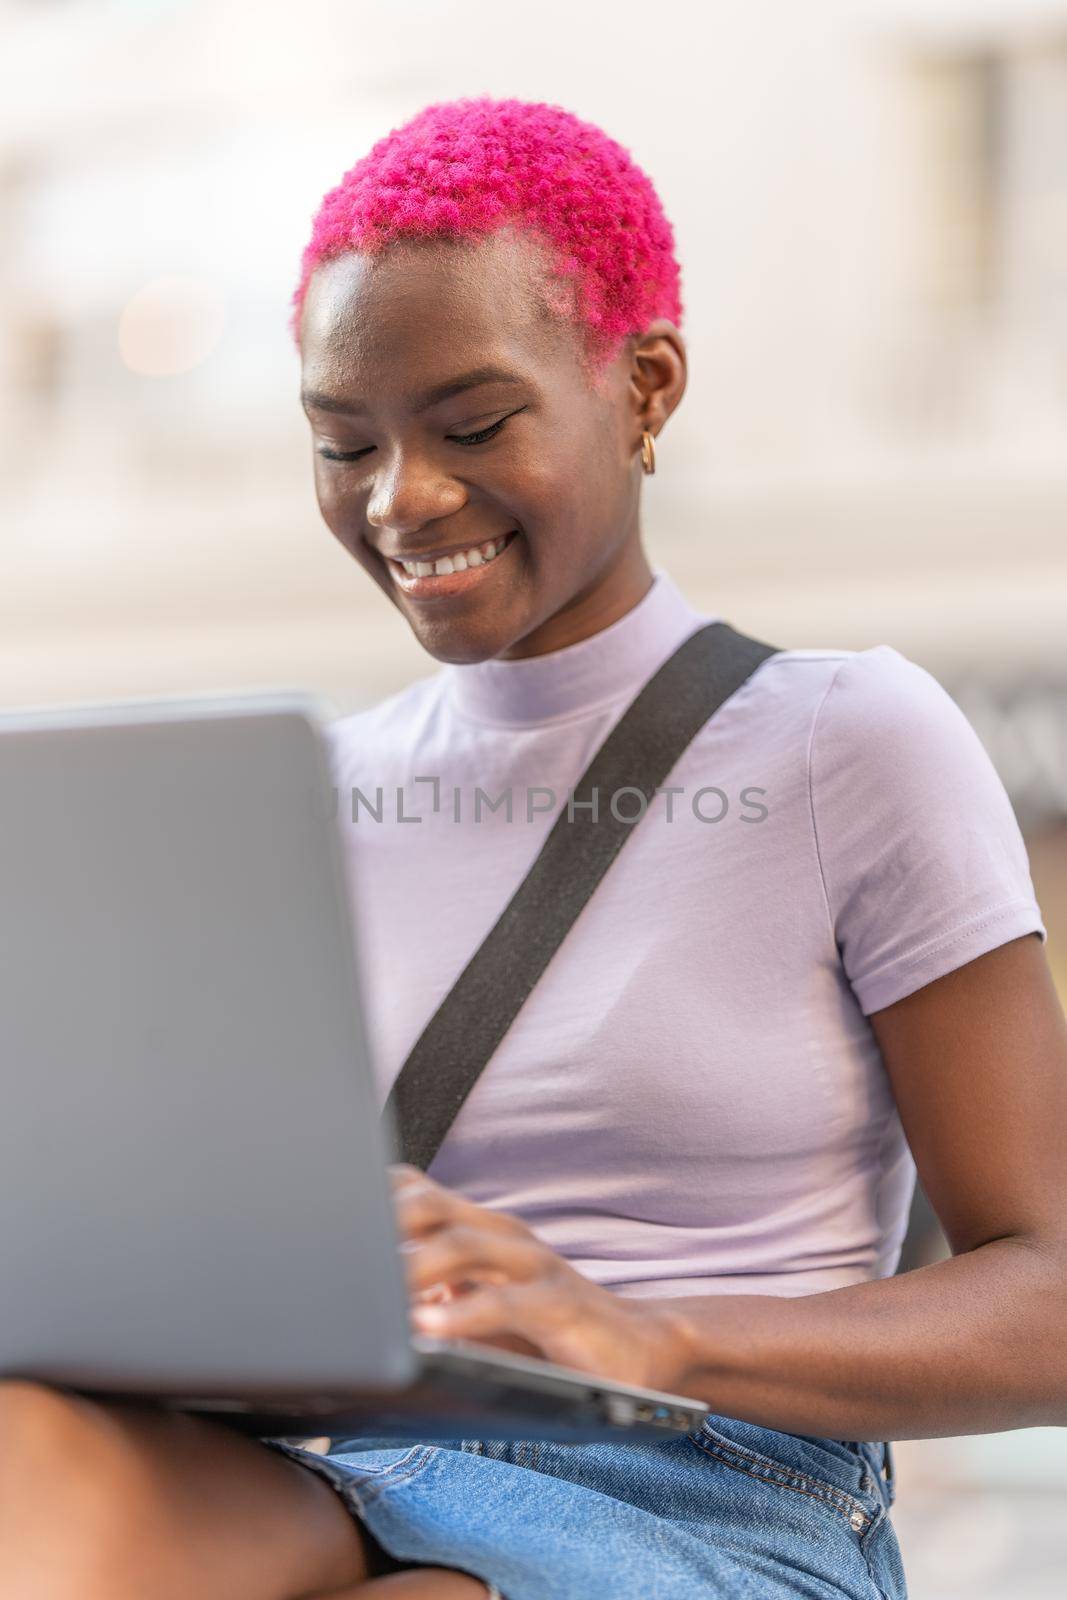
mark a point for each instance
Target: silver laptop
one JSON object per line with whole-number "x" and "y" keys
{"x": 195, "y": 1205}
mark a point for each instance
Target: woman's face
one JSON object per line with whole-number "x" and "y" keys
{"x": 449, "y": 409}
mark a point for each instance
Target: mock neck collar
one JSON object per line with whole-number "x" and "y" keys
{"x": 581, "y": 678}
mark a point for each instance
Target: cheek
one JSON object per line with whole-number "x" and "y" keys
{"x": 328, "y": 492}
{"x": 343, "y": 515}
{"x": 581, "y": 489}
{"x": 339, "y": 508}
{"x": 554, "y": 479}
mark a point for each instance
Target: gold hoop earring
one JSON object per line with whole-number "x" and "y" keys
{"x": 648, "y": 453}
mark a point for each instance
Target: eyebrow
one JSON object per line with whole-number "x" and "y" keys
{"x": 429, "y": 397}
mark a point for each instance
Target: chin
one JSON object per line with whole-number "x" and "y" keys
{"x": 462, "y": 644}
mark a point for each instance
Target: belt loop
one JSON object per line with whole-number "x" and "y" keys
{"x": 889, "y": 1469}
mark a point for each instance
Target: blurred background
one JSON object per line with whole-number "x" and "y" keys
{"x": 870, "y": 202}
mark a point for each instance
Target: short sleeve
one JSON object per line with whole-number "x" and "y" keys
{"x": 923, "y": 863}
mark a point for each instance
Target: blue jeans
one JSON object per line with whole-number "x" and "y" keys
{"x": 728, "y": 1510}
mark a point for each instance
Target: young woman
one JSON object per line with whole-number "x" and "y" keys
{"x": 689, "y": 1163}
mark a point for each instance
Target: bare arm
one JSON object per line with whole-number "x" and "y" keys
{"x": 974, "y": 1344}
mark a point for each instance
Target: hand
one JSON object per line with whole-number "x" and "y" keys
{"x": 479, "y": 1274}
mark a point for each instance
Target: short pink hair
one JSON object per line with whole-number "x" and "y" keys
{"x": 463, "y": 168}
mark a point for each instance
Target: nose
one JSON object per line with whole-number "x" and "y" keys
{"x": 408, "y": 494}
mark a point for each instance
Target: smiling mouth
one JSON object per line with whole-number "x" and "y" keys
{"x": 450, "y": 574}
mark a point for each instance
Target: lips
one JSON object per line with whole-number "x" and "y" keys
{"x": 444, "y": 551}
{"x": 441, "y": 585}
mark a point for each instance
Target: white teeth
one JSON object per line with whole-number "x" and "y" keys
{"x": 477, "y": 556}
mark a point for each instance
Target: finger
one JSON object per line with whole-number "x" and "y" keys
{"x": 459, "y": 1252}
{"x": 420, "y": 1203}
{"x": 443, "y": 1293}
{"x": 514, "y": 1316}
{"x": 421, "y": 1210}
{"x": 407, "y": 1180}
{"x": 437, "y": 1291}
{"x": 486, "y": 1312}
{"x": 495, "y": 1312}
{"x": 404, "y": 1172}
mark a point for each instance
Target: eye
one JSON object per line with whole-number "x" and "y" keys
{"x": 483, "y": 434}
{"x": 481, "y": 437}
{"x": 342, "y": 455}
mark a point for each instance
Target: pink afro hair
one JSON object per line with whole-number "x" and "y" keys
{"x": 464, "y": 168}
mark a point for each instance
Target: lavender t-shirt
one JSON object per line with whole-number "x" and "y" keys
{"x": 692, "y": 1100}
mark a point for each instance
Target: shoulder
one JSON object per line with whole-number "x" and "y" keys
{"x": 880, "y": 687}
{"x": 885, "y": 734}
{"x": 884, "y": 713}
{"x": 839, "y": 701}
{"x": 922, "y": 861}
{"x": 878, "y": 682}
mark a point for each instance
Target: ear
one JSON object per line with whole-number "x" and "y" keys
{"x": 658, "y": 372}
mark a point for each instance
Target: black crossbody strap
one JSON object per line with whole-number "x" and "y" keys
{"x": 460, "y": 1038}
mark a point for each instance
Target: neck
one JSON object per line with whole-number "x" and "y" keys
{"x": 609, "y": 596}
{"x": 603, "y": 670}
